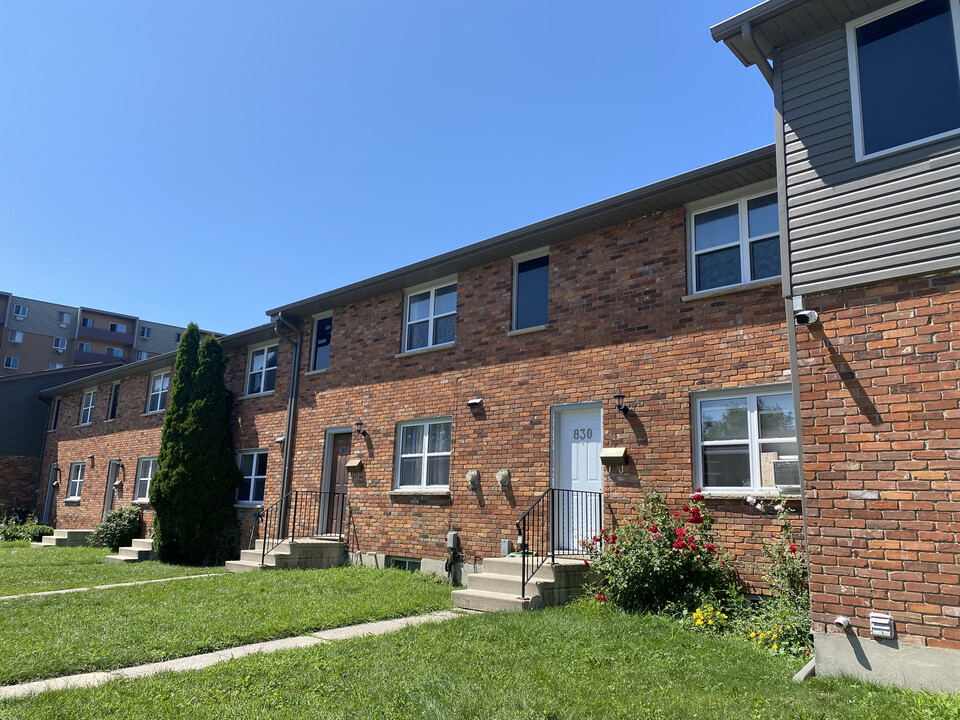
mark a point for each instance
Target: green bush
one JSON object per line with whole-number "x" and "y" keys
{"x": 118, "y": 528}
{"x": 11, "y": 529}
{"x": 660, "y": 560}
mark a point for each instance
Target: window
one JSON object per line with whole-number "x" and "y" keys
{"x": 87, "y": 322}
{"x": 76, "y": 481}
{"x": 262, "y": 373}
{"x": 118, "y": 327}
{"x": 141, "y": 354}
{"x": 145, "y": 470}
{"x": 159, "y": 390}
{"x": 530, "y": 288}
{"x": 904, "y": 75}
{"x": 408, "y": 564}
{"x": 56, "y": 365}
{"x": 423, "y": 454}
{"x": 736, "y": 243}
{"x": 741, "y": 436}
{"x": 55, "y": 415}
{"x": 59, "y": 343}
{"x": 323, "y": 330}
{"x": 20, "y": 311}
{"x": 86, "y": 407}
{"x": 64, "y": 318}
{"x": 431, "y": 317}
{"x": 178, "y": 336}
{"x": 114, "y": 352}
{"x": 11, "y": 362}
{"x": 16, "y": 336}
{"x": 145, "y": 332}
{"x": 253, "y": 467}
{"x": 83, "y": 346}
{"x": 114, "y": 401}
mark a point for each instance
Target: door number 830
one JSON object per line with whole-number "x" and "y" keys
{"x": 583, "y": 434}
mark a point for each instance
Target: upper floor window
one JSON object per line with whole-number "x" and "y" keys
{"x": 59, "y": 343}
{"x": 55, "y": 415}
{"x": 145, "y": 332}
{"x": 16, "y": 336}
{"x": 114, "y": 401}
{"x": 262, "y": 370}
{"x": 323, "y": 331}
{"x": 56, "y": 365}
{"x": 253, "y": 467}
{"x": 742, "y": 435}
{"x": 141, "y": 354}
{"x": 118, "y": 327}
{"x": 64, "y": 318}
{"x": 146, "y": 467}
{"x": 423, "y": 454}
{"x": 87, "y": 404}
{"x": 87, "y": 322}
{"x": 159, "y": 391}
{"x": 431, "y": 317}
{"x": 20, "y": 311}
{"x": 83, "y": 346}
{"x": 735, "y": 243}
{"x": 114, "y": 352}
{"x": 530, "y": 289}
{"x": 11, "y": 362}
{"x": 179, "y": 335}
{"x": 75, "y": 487}
{"x": 904, "y": 76}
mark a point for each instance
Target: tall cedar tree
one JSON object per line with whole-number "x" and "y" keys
{"x": 196, "y": 483}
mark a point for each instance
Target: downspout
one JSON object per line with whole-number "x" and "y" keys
{"x": 43, "y": 449}
{"x": 759, "y": 59}
{"x": 289, "y": 441}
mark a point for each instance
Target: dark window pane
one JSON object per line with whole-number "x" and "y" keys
{"x": 253, "y": 386}
{"x": 532, "y": 281}
{"x": 410, "y": 471}
{"x": 258, "y": 487}
{"x": 438, "y": 470}
{"x": 446, "y": 300}
{"x": 762, "y": 215}
{"x": 261, "y": 464}
{"x": 717, "y": 227}
{"x": 411, "y": 440}
{"x": 321, "y": 353}
{"x": 909, "y": 82}
{"x": 417, "y": 335}
{"x": 439, "y": 438}
{"x": 243, "y": 493}
{"x": 443, "y": 329}
{"x": 765, "y": 258}
{"x": 726, "y": 466}
{"x": 269, "y": 379}
{"x": 272, "y": 356}
{"x": 246, "y": 465}
{"x": 776, "y": 416}
{"x": 718, "y": 268}
{"x": 419, "y": 306}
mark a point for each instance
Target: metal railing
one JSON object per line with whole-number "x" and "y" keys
{"x": 557, "y": 523}
{"x": 309, "y": 513}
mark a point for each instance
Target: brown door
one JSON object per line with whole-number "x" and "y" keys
{"x": 338, "y": 482}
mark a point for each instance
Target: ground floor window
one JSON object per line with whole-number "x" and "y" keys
{"x": 76, "y": 480}
{"x": 253, "y": 467}
{"x": 742, "y": 437}
{"x": 145, "y": 470}
{"x": 423, "y": 454}
{"x": 400, "y": 563}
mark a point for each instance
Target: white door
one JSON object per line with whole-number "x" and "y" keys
{"x": 51, "y": 490}
{"x": 108, "y": 493}
{"x": 577, "y": 476}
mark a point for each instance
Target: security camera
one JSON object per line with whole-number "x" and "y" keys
{"x": 842, "y": 622}
{"x": 805, "y": 317}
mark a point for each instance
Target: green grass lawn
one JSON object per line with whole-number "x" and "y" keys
{"x": 56, "y": 635}
{"x": 24, "y": 569}
{"x": 567, "y": 663}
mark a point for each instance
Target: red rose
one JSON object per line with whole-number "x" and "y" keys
{"x": 653, "y": 528}
{"x": 612, "y": 538}
{"x": 601, "y": 598}
{"x": 686, "y": 508}
{"x": 587, "y": 563}
{"x": 793, "y": 548}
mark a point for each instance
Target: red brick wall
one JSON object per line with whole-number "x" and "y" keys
{"x": 879, "y": 394}
{"x": 616, "y": 321}
{"x": 18, "y": 480}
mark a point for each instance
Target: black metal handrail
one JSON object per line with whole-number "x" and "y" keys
{"x": 557, "y": 523}
{"x": 309, "y": 513}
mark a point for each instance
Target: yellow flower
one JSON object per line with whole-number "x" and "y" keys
{"x": 758, "y": 642}
{"x": 774, "y": 646}
{"x": 725, "y": 617}
{"x": 753, "y": 634}
{"x": 699, "y": 622}
{"x": 709, "y": 622}
{"x": 773, "y": 637}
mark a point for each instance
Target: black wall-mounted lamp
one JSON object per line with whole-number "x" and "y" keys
{"x": 618, "y": 398}
{"x": 359, "y": 427}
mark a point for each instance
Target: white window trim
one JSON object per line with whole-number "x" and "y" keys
{"x": 11, "y": 362}
{"x": 141, "y": 352}
{"x": 115, "y": 327}
{"x": 422, "y": 487}
{"x": 145, "y": 332}
{"x": 93, "y": 404}
{"x": 246, "y": 377}
{"x": 740, "y": 197}
{"x": 59, "y": 345}
{"x": 20, "y": 316}
{"x": 83, "y": 346}
{"x": 253, "y": 451}
{"x": 416, "y": 290}
{"x": 136, "y": 484}
{"x": 78, "y": 480}
{"x": 91, "y": 321}
{"x": 313, "y": 353}
{"x": 854, "y": 70}
{"x": 151, "y": 393}
{"x": 753, "y": 436}
{"x": 54, "y": 414}
{"x": 108, "y": 352}
{"x": 64, "y": 322}
{"x": 16, "y": 336}
{"x": 517, "y": 259}
{"x": 115, "y": 388}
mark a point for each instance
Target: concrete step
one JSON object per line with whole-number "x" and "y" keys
{"x": 496, "y": 583}
{"x": 142, "y": 543}
{"x": 136, "y": 554}
{"x": 65, "y": 538}
{"x": 38, "y": 544}
{"x": 235, "y": 566}
{"x": 119, "y": 559}
{"x": 484, "y": 601}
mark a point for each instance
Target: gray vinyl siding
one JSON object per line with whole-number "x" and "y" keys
{"x": 42, "y": 319}
{"x": 852, "y": 223}
{"x": 163, "y": 338}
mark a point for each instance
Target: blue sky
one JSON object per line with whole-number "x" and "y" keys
{"x": 207, "y": 161}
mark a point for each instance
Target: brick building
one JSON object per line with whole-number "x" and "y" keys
{"x": 867, "y": 102}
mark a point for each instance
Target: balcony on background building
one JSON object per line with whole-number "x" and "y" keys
{"x": 82, "y": 357}
{"x": 107, "y": 336}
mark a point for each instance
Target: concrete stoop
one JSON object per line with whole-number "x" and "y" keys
{"x": 498, "y": 586}
{"x": 64, "y": 538}
{"x": 140, "y": 549}
{"x": 307, "y": 553}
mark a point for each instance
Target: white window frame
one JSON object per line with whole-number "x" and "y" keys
{"x": 111, "y": 410}
{"x": 87, "y": 322}
{"x": 113, "y": 352}
{"x": 145, "y": 332}
{"x": 75, "y": 482}
{"x": 854, "y": 70}
{"x": 64, "y": 318}
{"x": 432, "y": 288}
{"x": 60, "y": 343}
{"x": 253, "y": 477}
{"x": 263, "y": 373}
{"x": 87, "y": 408}
{"x": 11, "y": 362}
{"x": 425, "y": 454}
{"x": 56, "y": 365}
{"x": 741, "y": 198}
{"x": 16, "y": 336}
{"x": 120, "y": 328}
{"x": 753, "y": 436}
{"x": 521, "y": 258}
{"x": 141, "y": 355}
{"x": 317, "y": 319}
{"x": 19, "y": 311}
{"x": 158, "y": 394}
{"x": 141, "y": 489}
{"x": 55, "y": 414}
{"x": 83, "y": 346}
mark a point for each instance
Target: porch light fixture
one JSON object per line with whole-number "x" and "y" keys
{"x": 618, "y": 398}
{"x": 359, "y": 427}
{"x": 90, "y": 458}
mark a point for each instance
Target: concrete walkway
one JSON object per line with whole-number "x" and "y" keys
{"x": 196, "y": 662}
{"x": 106, "y": 587}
